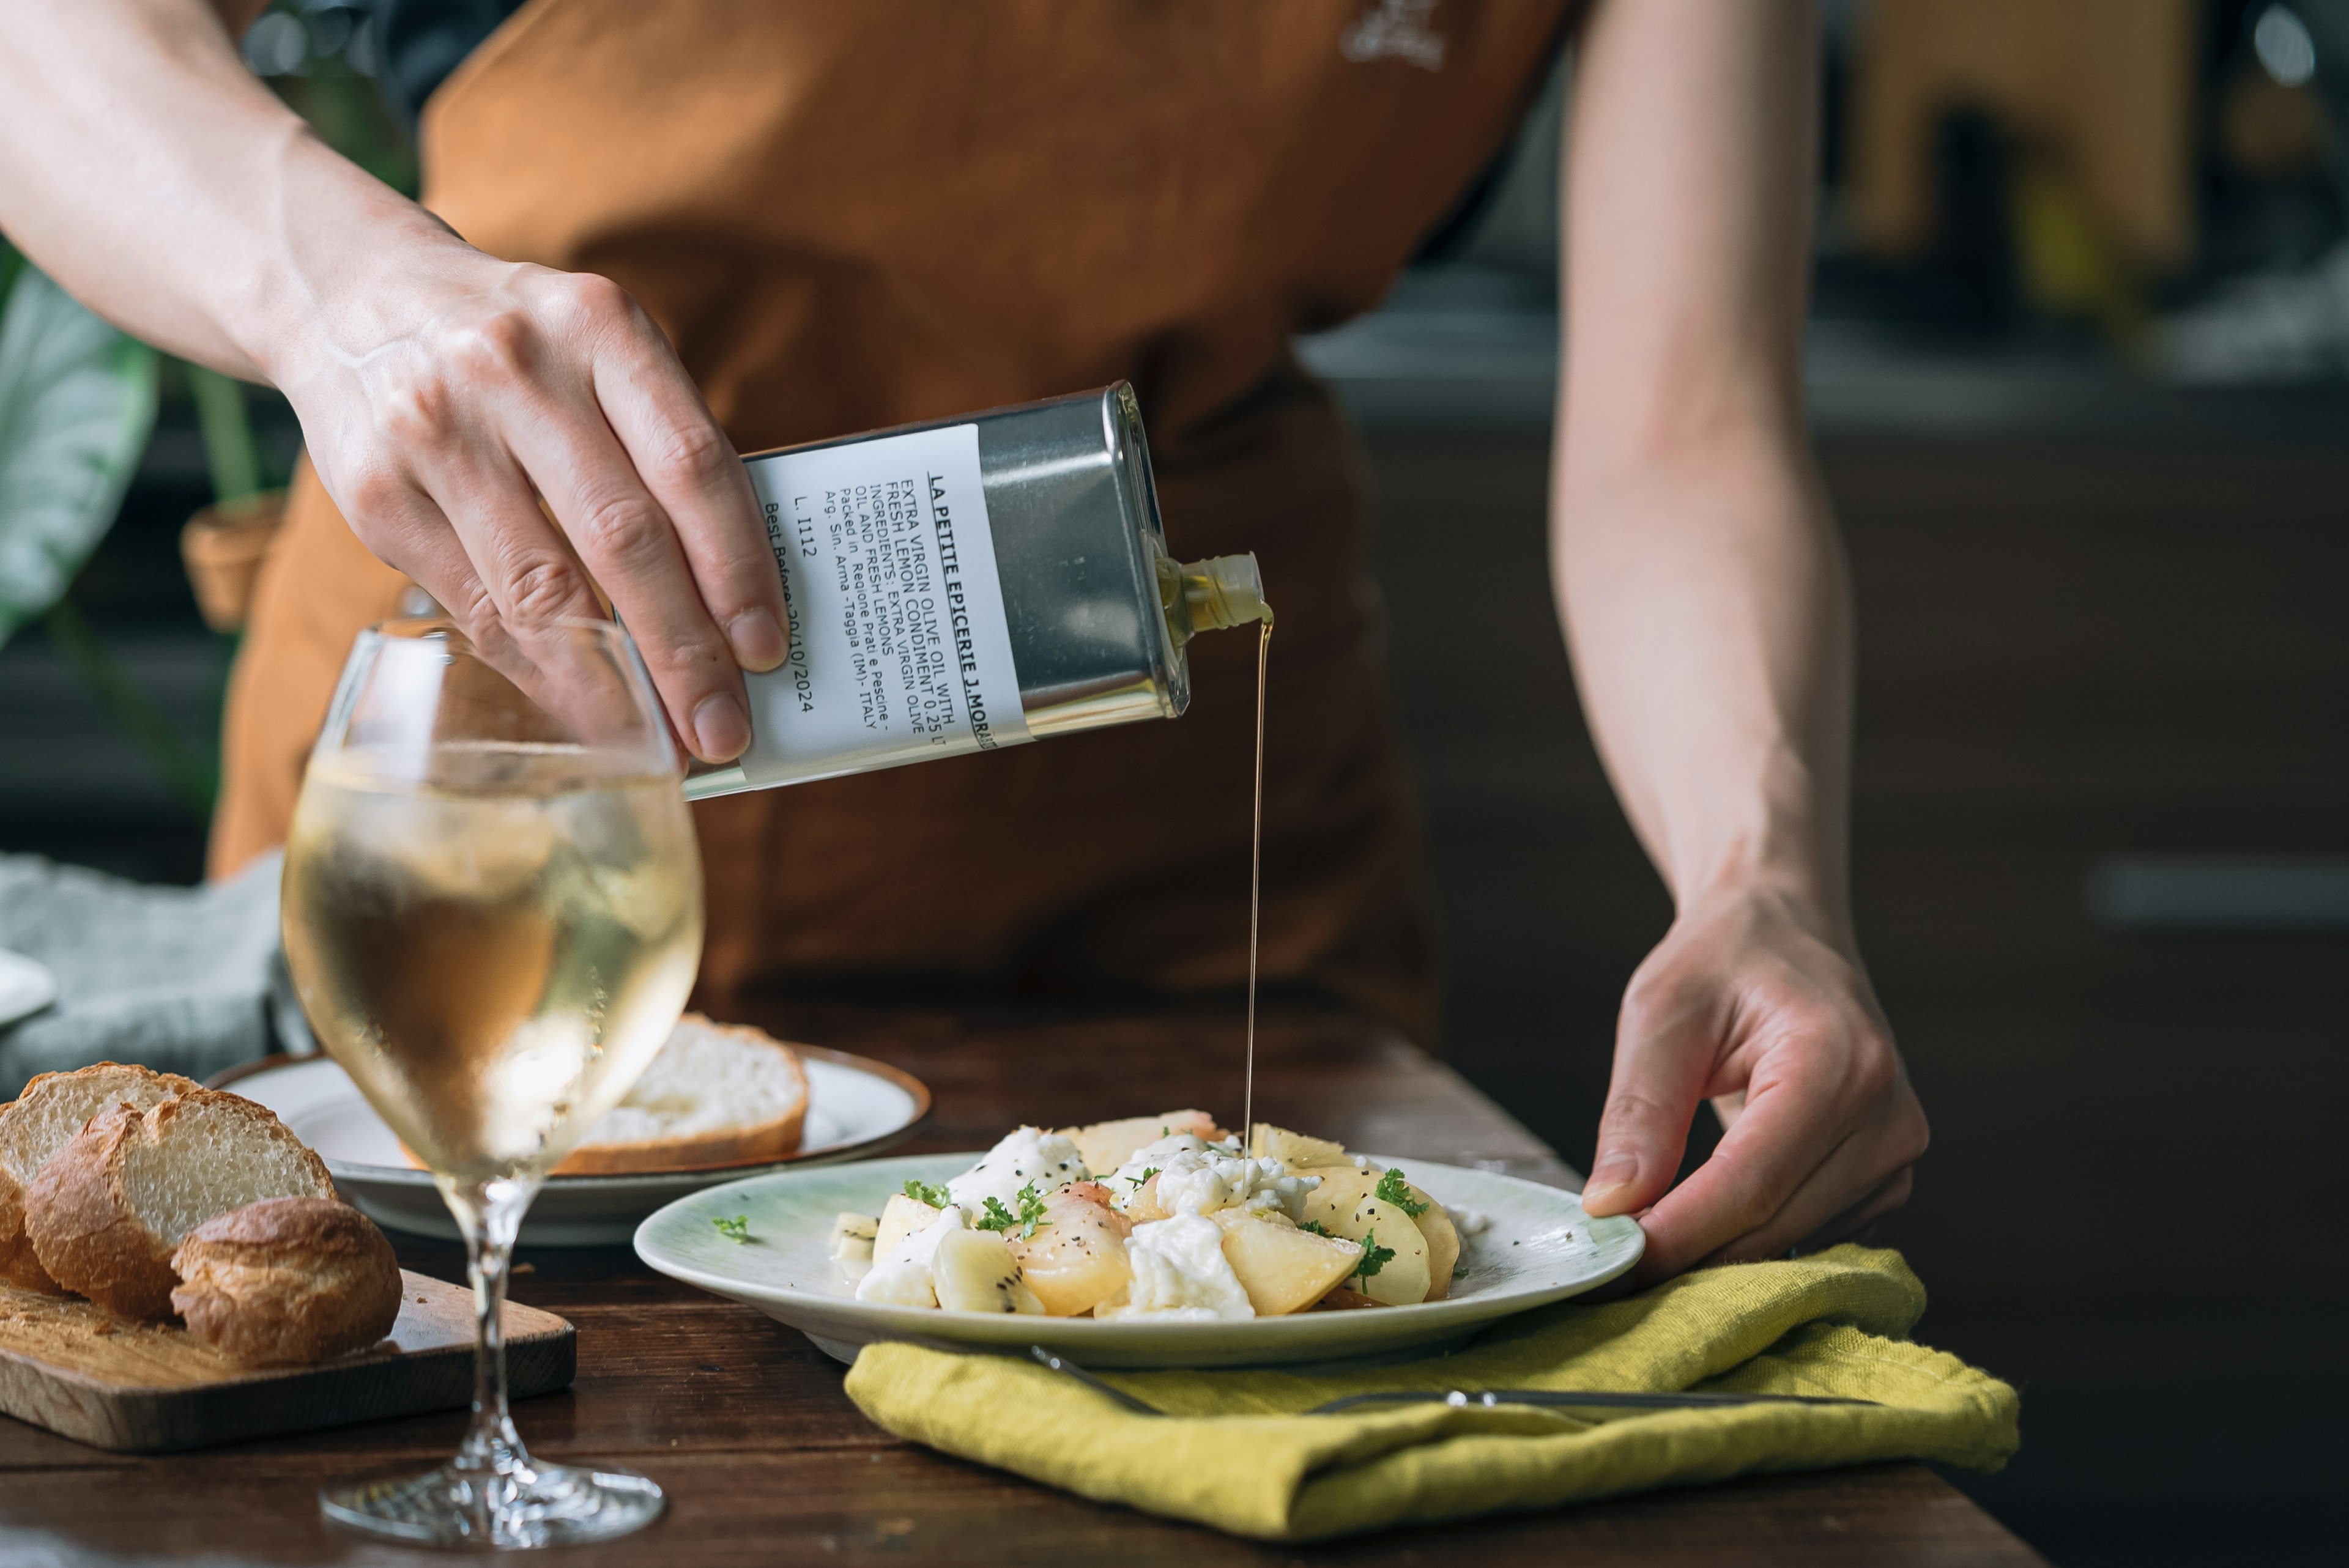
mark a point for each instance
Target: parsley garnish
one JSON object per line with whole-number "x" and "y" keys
{"x": 1392, "y": 1189}
{"x": 1316, "y": 1226}
{"x": 1147, "y": 1172}
{"x": 1030, "y": 1214}
{"x": 1374, "y": 1256}
{"x": 934, "y": 1193}
{"x": 736, "y": 1229}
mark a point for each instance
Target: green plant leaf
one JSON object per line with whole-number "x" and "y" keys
{"x": 76, "y": 403}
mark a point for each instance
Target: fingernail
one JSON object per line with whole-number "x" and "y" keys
{"x": 758, "y": 639}
{"x": 1609, "y": 1177}
{"x": 722, "y": 727}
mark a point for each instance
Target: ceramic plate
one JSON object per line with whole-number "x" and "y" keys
{"x": 26, "y": 986}
{"x": 1539, "y": 1247}
{"x": 855, "y": 1107}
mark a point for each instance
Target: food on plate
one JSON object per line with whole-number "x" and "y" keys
{"x": 1295, "y": 1150}
{"x": 43, "y": 1119}
{"x": 108, "y": 1210}
{"x": 1379, "y": 1210}
{"x": 286, "y": 1280}
{"x": 851, "y": 1235}
{"x": 901, "y": 1216}
{"x": 1074, "y": 1258}
{"x": 1106, "y": 1145}
{"x": 1282, "y": 1267}
{"x": 716, "y": 1094}
{"x": 1159, "y": 1218}
{"x": 974, "y": 1271}
{"x": 1442, "y": 1237}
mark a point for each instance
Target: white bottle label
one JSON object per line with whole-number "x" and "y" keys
{"x": 899, "y": 650}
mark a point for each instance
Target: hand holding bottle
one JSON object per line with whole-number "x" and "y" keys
{"x": 446, "y": 396}
{"x": 448, "y": 401}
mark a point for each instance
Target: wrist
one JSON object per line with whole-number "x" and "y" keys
{"x": 1785, "y": 854}
{"x": 1792, "y": 883}
{"x": 354, "y": 267}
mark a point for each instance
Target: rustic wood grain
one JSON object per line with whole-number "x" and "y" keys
{"x": 69, "y": 1366}
{"x": 906, "y": 1505}
{"x": 766, "y": 1461}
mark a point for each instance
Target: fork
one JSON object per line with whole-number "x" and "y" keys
{"x": 1463, "y": 1399}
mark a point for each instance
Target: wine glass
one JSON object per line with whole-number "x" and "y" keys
{"x": 492, "y": 914}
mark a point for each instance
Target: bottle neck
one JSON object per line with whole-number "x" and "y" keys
{"x": 1208, "y": 595}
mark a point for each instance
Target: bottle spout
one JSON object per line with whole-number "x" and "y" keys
{"x": 1208, "y": 595}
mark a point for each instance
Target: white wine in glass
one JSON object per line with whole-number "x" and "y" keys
{"x": 492, "y": 914}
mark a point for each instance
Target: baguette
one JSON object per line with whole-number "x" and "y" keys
{"x": 288, "y": 1280}
{"x": 106, "y": 1212}
{"x": 43, "y": 1119}
{"x": 716, "y": 1094}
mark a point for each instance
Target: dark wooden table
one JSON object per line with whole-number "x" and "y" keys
{"x": 766, "y": 1462}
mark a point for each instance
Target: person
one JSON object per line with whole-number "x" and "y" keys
{"x": 654, "y": 236}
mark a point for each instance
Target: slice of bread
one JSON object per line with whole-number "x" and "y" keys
{"x": 718, "y": 1093}
{"x": 288, "y": 1280}
{"x": 106, "y": 1212}
{"x": 42, "y": 1121}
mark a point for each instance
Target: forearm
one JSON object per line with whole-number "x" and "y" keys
{"x": 143, "y": 167}
{"x": 1706, "y": 602}
{"x": 1698, "y": 571}
{"x": 1709, "y": 614}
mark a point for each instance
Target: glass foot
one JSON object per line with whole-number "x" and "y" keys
{"x": 533, "y": 1504}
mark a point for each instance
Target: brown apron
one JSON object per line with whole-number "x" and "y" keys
{"x": 848, "y": 216}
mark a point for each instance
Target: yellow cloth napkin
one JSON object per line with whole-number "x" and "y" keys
{"x": 1235, "y": 1453}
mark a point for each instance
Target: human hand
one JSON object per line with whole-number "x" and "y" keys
{"x": 444, "y": 393}
{"x": 1751, "y": 1002}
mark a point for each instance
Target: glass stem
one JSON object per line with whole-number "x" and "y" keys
{"x": 490, "y": 1215}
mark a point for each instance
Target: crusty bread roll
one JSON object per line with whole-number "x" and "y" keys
{"x": 108, "y": 1208}
{"x": 42, "y": 1121}
{"x": 288, "y": 1280}
{"x": 718, "y": 1093}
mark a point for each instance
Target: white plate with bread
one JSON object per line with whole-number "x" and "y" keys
{"x": 719, "y": 1102}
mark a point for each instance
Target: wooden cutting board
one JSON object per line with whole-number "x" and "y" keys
{"x": 67, "y": 1365}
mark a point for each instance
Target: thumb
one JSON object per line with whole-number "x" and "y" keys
{"x": 1663, "y": 1056}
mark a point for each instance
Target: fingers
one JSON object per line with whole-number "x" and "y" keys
{"x": 629, "y": 541}
{"x": 1855, "y": 1223}
{"x": 1759, "y": 1195}
{"x": 1748, "y": 1004}
{"x": 529, "y": 367}
{"x": 1786, "y": 1131}
{"x": 1840, "y": 1197}
{"x": 459, "y": 516}
{"x": 693, "y": 471}
{"x": 525, "y": 384}
{"x": 416, "y": 538}
{"x": 1666, "y": 1042}
{"x": 1848, "y": 1225}
{"x": 1867, "y": 1176}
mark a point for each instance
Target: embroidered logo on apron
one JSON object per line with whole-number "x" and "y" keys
{"x": 1394, "y": 30}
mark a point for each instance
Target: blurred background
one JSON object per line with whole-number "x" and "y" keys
{"x": 2079, "y": 373}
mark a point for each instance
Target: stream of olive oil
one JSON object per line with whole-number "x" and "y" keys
{"x": 1256, "y": 886}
